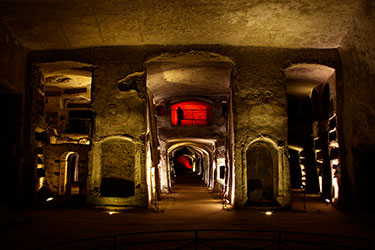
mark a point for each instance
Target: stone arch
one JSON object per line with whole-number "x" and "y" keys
{"x": 191, "y": 76}
{"x": 118, "y": 168}
{"x": 71, "y": 173}
{"x": 201, "y": 150}
{"x": 319, "y": 137}
{"x": 266, "y": 180}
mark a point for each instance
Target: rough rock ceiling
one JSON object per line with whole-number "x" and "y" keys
{"x": 66, "y": 74}
{"x": 62, "y": 24}
{"x": 196, "y": 74}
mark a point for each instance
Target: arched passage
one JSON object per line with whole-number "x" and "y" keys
{"x": 312, "y": 127}
{"x": 267, "y": 182}
{"x": 194, "y": 156}
{"x": 69, "y": 174}
{"x": 64, "y": 131}
{"x": 190, "y": 118}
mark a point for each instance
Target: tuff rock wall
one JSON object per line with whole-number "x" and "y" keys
{"x": 356, "y": 122}
{"x": 259, "y": 108}
{"x": 55, "y": 165}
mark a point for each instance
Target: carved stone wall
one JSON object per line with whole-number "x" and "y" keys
{"x": 259, "y": 103}
{"x": 356, "y": 112}
{"x": 117, "y": 173}
{"x": 117, "y": 168}
{"x": 55, "y": 165}
{"x": 262, "y": 163}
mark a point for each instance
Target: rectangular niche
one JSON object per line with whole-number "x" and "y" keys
{"x": 117, "y": 168}
{"x": 191, "y": 113}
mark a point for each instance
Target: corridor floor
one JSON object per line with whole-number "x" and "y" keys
{"x": 189, "y": 197}
{"x": 190, "y": 205}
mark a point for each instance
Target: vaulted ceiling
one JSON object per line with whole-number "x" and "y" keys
{"x": 67, "y": 24}
{"x": 198, "y": 74}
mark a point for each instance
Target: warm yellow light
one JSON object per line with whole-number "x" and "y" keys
{"x": 334, "y": 144}
{"x": 233, "y": 186}
{"x": 335, "y": 162}
{"x": 153, "y": 186}
{"x": 113, "y": 212}
{"x": 335, "y": 185}
{"x": 320, "y": 184}
{"x": 41, "y": 182}
{"x": 268, "y": 213}
{"x": 161, "y": 176}
{"x": 49, "y": 199}
{"x": 148, "y": 173}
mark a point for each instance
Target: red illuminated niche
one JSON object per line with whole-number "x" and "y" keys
{"x": 191, "y": 113}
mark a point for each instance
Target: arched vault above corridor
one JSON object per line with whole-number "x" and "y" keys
{"x": 194, "y": 73}
{"x": 302, "y": 78}
{"x": 197, "y": 143}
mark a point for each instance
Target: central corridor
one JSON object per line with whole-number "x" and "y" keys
{"x": 190, "y": 197}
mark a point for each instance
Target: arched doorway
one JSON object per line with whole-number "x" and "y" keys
{"x": 190, "y": 119}
{"x": 262, "y": 162}
{"x": 191, "y": 158}
{"x": 312, "y": 126}
{"x": 70, "y": 174}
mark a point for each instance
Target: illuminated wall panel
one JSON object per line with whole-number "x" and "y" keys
{"x": 190, "y": 113}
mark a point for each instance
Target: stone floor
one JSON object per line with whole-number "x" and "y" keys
{"x": 190, "y": 206}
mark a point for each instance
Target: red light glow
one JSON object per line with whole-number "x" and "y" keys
{"x": 184, "y": 162}
{"x": 193, "y": 113}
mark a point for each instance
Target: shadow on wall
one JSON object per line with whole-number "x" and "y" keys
{"x": 116, "y": 187}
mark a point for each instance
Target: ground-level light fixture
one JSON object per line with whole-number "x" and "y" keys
{"x": 268, "y": 213}
{"x": 113, "y": 212}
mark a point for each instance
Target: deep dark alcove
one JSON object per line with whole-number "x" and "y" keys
{"x": 116, "y": 187}
{"x": 260, "y": 172}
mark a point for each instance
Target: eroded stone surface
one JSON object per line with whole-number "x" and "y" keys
{"x": 287, "y": 24}
{"x": 355, "y": 95}
{"x": 118, "y": 159}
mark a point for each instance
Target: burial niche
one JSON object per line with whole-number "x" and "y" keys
{"x": 191, "y": 113}
{"x": 117, "y": 168}
{"x": 261, "y": 173}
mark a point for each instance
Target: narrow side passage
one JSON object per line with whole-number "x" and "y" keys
{"x": 189, "y": 197}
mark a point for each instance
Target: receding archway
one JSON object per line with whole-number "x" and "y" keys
{"x": 312, "y": 93}
{"x": 190, "y": 117}
{"x": 192, "y": 156}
